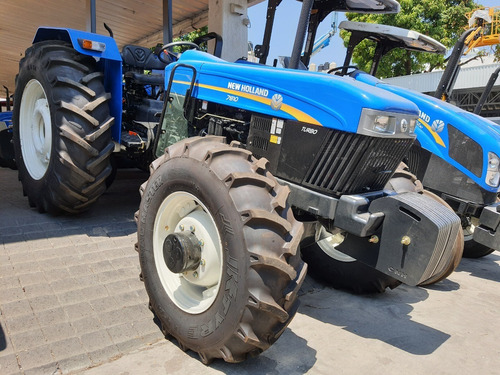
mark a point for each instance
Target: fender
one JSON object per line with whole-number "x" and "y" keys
{"x": 109, "y": 62}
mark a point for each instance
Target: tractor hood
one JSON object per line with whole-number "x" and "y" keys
{"x": 309, "y": 97}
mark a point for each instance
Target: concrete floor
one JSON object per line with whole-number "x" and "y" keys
{"x": 449, "y": 328}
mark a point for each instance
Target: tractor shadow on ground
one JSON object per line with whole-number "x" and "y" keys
{"x": 487, "y": 267}
{"x": 384, "y": 317}
{"x": 111, "y": 216}
{"x": 289, "y": 355}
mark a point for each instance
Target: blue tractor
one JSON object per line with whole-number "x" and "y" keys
{"x": 248, "y": 161}
{"x": 457, "y": 153}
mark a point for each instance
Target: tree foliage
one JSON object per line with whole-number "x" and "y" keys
{"x": 443, "y": 20}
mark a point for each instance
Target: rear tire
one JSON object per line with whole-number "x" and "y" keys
{"x": 62, "y": 136}
{"x": 242, "y": 294}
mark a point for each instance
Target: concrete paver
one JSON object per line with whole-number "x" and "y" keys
{"x": 71, "y": 302}
{"x": 70, "y": 294}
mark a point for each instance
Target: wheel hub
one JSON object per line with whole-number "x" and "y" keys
{"x": 182, "y": 252}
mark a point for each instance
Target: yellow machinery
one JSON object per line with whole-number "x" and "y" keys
{"x": 487, "y": 24}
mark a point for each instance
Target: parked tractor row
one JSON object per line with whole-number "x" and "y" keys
{"x": 254, "y": 169}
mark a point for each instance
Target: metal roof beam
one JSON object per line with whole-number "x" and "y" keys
{"x": 91, "y": 16}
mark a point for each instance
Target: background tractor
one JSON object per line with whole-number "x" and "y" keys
{"x": 457, "y": 153}
{"x": 249, "y": 161}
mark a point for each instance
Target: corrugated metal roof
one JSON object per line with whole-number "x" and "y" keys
{"x": 469, "y": 77}
{"x": 132, "y": 21}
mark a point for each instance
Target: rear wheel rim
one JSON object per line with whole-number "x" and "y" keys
{"x": 35, "y": 129}
{"x": 192, "y": 291}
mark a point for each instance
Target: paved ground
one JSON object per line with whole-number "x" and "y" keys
{"x": 71, "y": 302}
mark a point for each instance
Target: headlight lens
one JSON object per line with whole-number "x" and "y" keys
{"x": 493, "y": 173}
{"x": 383, "y": 124}
{"x": 413, "y": 125}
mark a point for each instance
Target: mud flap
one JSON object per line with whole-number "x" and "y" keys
{"x": 413, "y": 243}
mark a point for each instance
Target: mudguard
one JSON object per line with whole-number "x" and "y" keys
{"x": 109, "y": 62}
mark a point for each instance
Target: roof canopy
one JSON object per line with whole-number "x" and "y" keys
{"x": 132, "y": 21}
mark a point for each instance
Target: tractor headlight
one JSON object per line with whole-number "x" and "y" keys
{"x": 493, "y": 173}
{"x": 383, "y": 124}
{"x": 413, "y": 125}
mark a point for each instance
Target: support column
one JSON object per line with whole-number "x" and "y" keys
{"x": 167, "y": 21}
{"x": 228, "y": 18}
{"x": 91, "y": 16}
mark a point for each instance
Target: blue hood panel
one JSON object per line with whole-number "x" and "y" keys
{"x": 310, "y": 97}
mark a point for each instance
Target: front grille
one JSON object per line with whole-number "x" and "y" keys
{"x": 353, "y": 163}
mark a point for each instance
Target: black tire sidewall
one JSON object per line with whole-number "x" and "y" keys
{"x": 34, "y": 188}
{"x": 474, "y": 250}
{"x": 178, "y": 174}
{"x": 353, "y": 276}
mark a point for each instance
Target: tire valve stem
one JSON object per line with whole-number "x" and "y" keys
{"x": 405, "y": 240}
{"x": 373, "y": 239}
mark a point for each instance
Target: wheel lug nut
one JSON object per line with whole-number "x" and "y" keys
{"x": 203, "y": 262}
{"x": 201, "y": 242}
{"x": 195, "y": 274}
{"x": 192, "y": 228}
{"x": 181, "y": 227}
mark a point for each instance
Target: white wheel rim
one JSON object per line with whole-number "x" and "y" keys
{"x": 35, "y": 129}
{"x": 192, "y": 291}
{"x": 328, "y": 243}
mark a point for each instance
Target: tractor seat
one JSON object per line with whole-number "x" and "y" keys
{"x": 141, "y": 58}
{"x": 136, "y": 60}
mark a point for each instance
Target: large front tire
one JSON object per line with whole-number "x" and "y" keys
{"x": 62, "y": 136}
{"x": 241, "y": 293}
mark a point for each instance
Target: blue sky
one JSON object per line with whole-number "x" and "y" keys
{"x": 285, "y": 25}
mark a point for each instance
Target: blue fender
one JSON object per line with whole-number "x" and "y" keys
{"x": 109, "y": 62}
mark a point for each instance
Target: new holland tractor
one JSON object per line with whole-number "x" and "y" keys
{"x": 250, "y": 161}
{"x": 457, "y": 153}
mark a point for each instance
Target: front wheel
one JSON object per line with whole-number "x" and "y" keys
{"x": 341, "y": 271}
{"x": 218, "y": 249}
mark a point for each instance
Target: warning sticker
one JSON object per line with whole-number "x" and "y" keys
{"x": 275, "y": 139}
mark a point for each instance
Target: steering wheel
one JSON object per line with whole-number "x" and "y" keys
{"x": 342, "y": 68}
{"x": 165, "y": 50}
